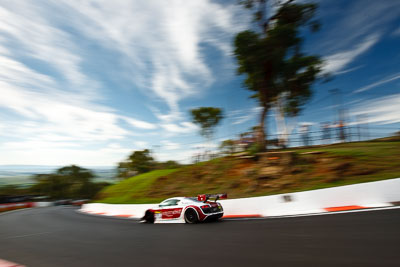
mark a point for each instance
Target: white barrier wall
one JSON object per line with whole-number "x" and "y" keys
{"x": 372, "y": 194}
{"x": 134, "y": 210}
{"x": 43, "y": 204}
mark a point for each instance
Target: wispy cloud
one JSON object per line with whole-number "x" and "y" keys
{"x": 349, "y": 70}
{"x": 164, "y": 47}
{"x": 63, "y": 156}
{"x": 355, "y": 20}
{"x": 358, "y": 25}
{"x": 396, "y": 32}
{"x": 139, "y": 123}
{"x": 57, "y": 114}
{"x": 49, "y": 104}
{"x": 244, "y": 115}
{"x": 378, "y": 83}
{"x": 168, "y": 145}
{"x": 179, "y": 128}
{"x": 30, "y": 34}
{"x": 62, "y": 64}
{"x": 336, "y": 62}
{"x": 383, "y": 110}
{"x": 45, "y": 82}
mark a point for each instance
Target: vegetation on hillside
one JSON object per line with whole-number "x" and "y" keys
{"x": 134, "y": 189}
{"x": 266, "y": 173}
{"x": 141, "y": 161}
{"x": 69, "y": 182}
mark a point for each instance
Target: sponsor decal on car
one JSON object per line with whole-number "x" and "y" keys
{"x": 171, "y": 213}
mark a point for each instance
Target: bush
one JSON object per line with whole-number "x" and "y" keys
{"x": 254, "y": 149}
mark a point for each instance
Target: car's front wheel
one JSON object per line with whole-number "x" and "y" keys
{"x": 191, "y": 216}
{"x": 148, "y": 217}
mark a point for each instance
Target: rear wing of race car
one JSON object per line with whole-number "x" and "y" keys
{"x": 206, "y": 197}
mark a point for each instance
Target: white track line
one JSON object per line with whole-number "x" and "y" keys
{"x": 27, "y": 235}
{"x": 12, "y": 211}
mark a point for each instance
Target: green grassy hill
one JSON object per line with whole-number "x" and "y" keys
{"x": 268, "y": 173}
{"x": 134, "y": 189}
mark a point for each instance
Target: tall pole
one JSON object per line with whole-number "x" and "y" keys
{"x": 337, "y": 107}
{"x": 359, "y": 127}
{"x": 334, "y": 93}
{"x": 366, "y": 128}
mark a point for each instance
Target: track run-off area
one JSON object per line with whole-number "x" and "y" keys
{"x": 60, "y": 236}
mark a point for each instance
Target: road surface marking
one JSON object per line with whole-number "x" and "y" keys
{"x": 4, "y": 263}
{"x": 19, "y": 236}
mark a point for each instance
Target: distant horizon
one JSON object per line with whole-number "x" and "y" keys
{"x": 23, "y": 175}
{"x": 53, "y": 166}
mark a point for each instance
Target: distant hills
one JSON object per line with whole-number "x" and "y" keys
{"x": 22, "y": 174}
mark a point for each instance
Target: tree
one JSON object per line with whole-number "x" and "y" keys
{"x": 75, "y": 173}
{"x": 67, "y": 182}
{"x": 271, "y": 58}
{"x": 52, "y": 185}
{"x": 13, "y": 190}
{"x": 207, "y": 118}
{"x": 138, "y": 162}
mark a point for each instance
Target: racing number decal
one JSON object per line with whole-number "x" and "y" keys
{"x": 171, "y": 213}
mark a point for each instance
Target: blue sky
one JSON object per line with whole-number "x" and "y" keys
{"x": 88, "y": 82}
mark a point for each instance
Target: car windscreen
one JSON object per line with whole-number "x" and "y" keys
{"x": 169, "y": 202}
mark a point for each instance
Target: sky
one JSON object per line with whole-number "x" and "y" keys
{"x": 88, "y": 82}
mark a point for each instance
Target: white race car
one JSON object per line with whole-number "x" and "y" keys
{"x": 186, "y": 210}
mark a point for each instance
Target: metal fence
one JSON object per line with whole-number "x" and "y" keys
{"x": 325, "y": 136}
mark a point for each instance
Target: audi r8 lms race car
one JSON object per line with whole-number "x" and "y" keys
{"x": 186, "y": 210}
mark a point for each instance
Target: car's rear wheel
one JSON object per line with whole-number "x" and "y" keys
{"x": 191, "y": 216}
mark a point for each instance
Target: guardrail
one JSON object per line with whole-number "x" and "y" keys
{"x": 23, "y": 205}
{"x": 358, "y": 196}
{"x": 14, "y": 206}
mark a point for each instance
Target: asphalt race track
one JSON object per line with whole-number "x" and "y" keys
{"x": 59, "y": 236}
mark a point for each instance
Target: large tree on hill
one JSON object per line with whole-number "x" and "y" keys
{"x": 270, "y": 56}
{"x": 207, "y": 118}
